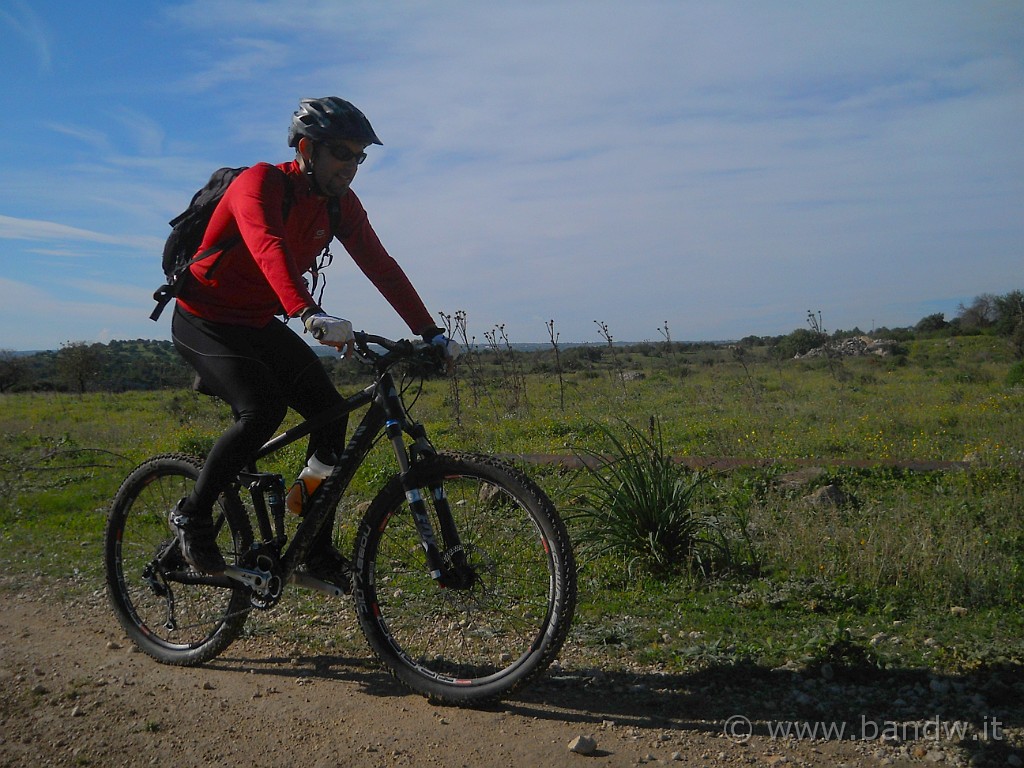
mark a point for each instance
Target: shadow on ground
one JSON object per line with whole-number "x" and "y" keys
{"x": 981, "y": 714}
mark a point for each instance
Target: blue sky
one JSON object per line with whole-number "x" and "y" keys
{"x": 722, "y": 166}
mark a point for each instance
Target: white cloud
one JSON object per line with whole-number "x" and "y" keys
{"x": 32, "y": 229}
{"x": 30, "y": 28}
{"x": 712, "y": 164}
{"x": 33, "y": 317}
{"x": 238, "y": 60}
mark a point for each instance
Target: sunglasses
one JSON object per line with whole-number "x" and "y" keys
{"x": 343, "y": 154}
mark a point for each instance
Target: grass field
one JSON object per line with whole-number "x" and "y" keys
{"x": 894, "y": 567}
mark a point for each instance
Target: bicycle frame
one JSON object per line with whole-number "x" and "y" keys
{"x": 461, "y": 620}
{"x": 386, "y": 413}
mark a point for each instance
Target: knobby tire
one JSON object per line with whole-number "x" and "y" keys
{"x": 173, "y": 621}
{"x": 466, "y": 645}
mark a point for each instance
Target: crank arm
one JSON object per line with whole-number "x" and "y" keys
{"x": 311, "y": 582}
{"x": 259, "y": 581}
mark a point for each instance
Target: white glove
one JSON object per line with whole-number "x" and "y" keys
{"x": 452, "y": 349}
{"x": 332, "y": 331}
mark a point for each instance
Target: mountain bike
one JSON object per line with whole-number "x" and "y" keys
{"x": 464, "y": 582}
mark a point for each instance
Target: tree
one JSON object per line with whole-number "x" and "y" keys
{"x": 936, "y": 322}
{"x": 800, "y": 342}
{"x": 981, "y": 314}
{"x": 1009, "y": 311}
{"x": 78, "y": 363}
{"x": 12, "y": 369}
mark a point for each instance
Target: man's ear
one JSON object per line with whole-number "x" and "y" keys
{"x": 304, "y": 148}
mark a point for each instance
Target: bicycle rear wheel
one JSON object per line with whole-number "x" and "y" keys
{"x": 163, "y": 605}
{"x": 488, "y": 637}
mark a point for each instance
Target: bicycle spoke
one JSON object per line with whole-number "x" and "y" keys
{"x": 171, "y": 616}
{"x": 486, "y": 635}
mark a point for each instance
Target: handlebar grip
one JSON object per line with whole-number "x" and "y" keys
{"x": 419, "y": 353}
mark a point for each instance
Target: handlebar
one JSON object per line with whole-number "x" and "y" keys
{"x": 397, "y": 351}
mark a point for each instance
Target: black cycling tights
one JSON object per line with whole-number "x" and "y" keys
{"x": 260, "y": 373}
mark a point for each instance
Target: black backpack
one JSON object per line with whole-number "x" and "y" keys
{"x": 189, "y": 226}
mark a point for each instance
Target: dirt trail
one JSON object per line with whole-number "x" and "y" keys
{"x": 74, "y": 692}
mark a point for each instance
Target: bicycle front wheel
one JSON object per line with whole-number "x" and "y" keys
{"x": 490, "y": 635}
{"x": 168, "y": 610}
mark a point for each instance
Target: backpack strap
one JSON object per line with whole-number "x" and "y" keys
{"x": 326, "y": 258}
{"x": 334, "y": 213}
{"x": 228, "y": 243}
{"x": 177, "y": 280}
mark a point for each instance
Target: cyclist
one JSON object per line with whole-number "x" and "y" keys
{"x": 225, "y": 321}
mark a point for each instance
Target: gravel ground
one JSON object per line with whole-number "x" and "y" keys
{"x": 74, "y": 692}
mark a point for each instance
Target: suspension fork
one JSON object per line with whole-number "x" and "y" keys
{"x": 458, "y": 574}
{"x": 439, "y": 565}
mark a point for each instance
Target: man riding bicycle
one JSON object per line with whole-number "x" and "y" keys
{"x": 225, "y": 321}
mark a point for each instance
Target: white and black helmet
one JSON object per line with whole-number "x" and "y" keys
{"x": 330, "y": 119}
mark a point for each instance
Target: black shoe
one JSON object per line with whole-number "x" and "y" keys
{"x": 331, "y": 566}
{"x": 197, "y": 539}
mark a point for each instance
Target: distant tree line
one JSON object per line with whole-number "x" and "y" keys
{"x": 145, "y": 364}
{"x": 80, "y": 367}
{"x": 120, "y": 366}
{"x": 987, "y": 314}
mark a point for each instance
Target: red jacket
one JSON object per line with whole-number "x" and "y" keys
{"x": 262, "y": 275}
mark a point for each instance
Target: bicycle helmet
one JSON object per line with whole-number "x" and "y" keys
{"x": 330, "y": 119}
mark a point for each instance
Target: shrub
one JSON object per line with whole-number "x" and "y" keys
{"x": 635, "y": 502}
{"x": 195, "y": 442}
{"x": 1015, "y": 376}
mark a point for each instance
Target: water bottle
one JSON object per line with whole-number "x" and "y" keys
{"x": 314, "y": 473}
